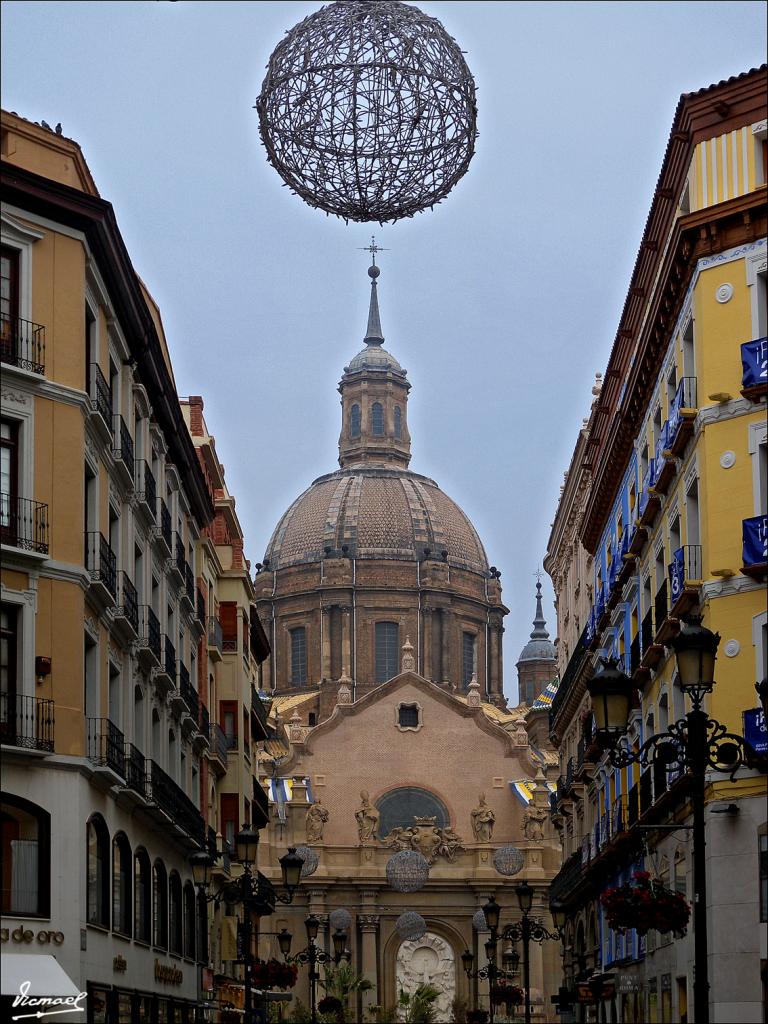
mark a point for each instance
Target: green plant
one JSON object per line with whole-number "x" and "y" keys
{"x": 418, "y": 1006}
{"x": 300, "y": 1014}
{"x": 382, "y": 1014}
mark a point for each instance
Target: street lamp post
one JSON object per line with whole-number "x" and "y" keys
{"x": 246, "y": 891}
{"x": 694, "y": 743}
{"x": 313, "y": 955}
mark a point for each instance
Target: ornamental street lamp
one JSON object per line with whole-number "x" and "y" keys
{"x": 694, "y": 743}
{"x": 252, "y": 891}
{"x": 313, "y": 955}
{"x": 527, "y": 929}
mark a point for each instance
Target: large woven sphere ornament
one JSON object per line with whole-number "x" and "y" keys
{"x": 508, "y": 860}
{"x": 407, "y": 871}
{"x": 310, "y": 858}
{"x": 368, "y": 110}
{"x": 410, "y": 926}
{"x": 479, "y": 922}
{"x": 340, "y": 918}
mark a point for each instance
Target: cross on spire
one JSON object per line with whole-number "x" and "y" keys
{"x": 373, "y": 249}
{"x": 538, "y": 574}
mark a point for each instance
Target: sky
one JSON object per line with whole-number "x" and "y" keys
{"x": 502, "y": 303}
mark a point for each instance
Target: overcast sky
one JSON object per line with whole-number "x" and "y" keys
{"x": 502, "y": 303}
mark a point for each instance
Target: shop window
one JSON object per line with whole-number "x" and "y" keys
{"x": 190, "y": 920}
{"x": 387, "y": 650}
{"x": 160, "y": 904}
{"x": 142, "y": 895}
{"x": 175, "y": 914}
{"x": 121, "y": 884}
{"x": 98, "y": 871}
{"x": 26, "y": 857}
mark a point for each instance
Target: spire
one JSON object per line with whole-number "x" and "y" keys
{"x": 539, "y": 623}
{"x": 373, "y": 335}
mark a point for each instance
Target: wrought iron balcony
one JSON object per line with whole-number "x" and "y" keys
{"x": 665, "y": 464}
{"x": 171, "y": 799}
{"x": 189, "y": 585}
{"x": 169, "y": 657}
{"x": 660, "y": 606}
{"x": 650, "y": 502}
{"x": 259, "y": 710}
{"x": 200, "y": 606}
{"x": 180, "y": 555}
{"x": 135, "y": 770}
{"x": 149, "y": 633}
{"x": 163, "y": 529}
{"x": 188, "y": 692}
{"x": 26, "y": 722}
{"x": 634, "y": 654}
{"x": 146, "y": 489}
{"x": 755, "y": 546}
{"x": 205, "y": 721}
{"x": 219, "y": 744}
{"x": 652, "y": 651}
{"x": 22, "y": 344}
{"x": 101, "y": 395}
{"x": 101, "y": 563}
{"x": 122, "y": 444}
{"x": 215, "y": 638}
{"x": 259, "y": 806}
{"x": 754, "y": 362}
{"x": 685, "y": 575}
{"x": 127, "y": 601}
{"x": 682, "y": 415}
{"x": 24, "y": 523}
{"x": 106, "y": 745}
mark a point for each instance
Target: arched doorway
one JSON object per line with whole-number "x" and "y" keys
{"x": 428, "y": 959}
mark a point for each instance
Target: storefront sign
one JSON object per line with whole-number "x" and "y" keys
{"x": 628, "y": 983}
{"x": 119, "y": 964}
{"x": 27, "y": 935}
{"x": 755, "y": 731}
{"x": 168, "y": 974}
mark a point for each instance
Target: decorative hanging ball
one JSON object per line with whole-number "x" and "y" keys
{"x": 410, "y": 925}
{"x": 368, "y": 110}
{"x": 508, "y": 860}
{"x": 310, "y": 858}
{"x": 340, "y": 918}
{"x": 478, "y": 921}
{"x": 407, "y": 871}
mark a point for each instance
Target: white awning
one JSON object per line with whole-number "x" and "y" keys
{"x": 45, "y": 975}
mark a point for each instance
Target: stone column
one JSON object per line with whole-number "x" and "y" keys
{"x": 426, "y": 643}
{"x": 492, "y": 683}
{"x": 325, "y": 670}
{"x": 500, "y": 660}
{"x": 369, "y": 926}
{"x": 346, "y": 642}
{"x": 445, "y": 655}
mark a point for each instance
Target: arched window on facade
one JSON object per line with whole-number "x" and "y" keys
{"x": 160, "y": 904}
{"x": 190, "y": 920}
{"x": 468, "y": 658}
{"x": 25, "y": 856}
{"x": 400, "y": 806}
{"x": 122, "y": 863}
{"x": 398, "y": 422}
{"x": 354, "y": 421}
{"x": 98, "y": 871}
{"x": 142, "y": 896}
{"x": 202, "y": 928}
{"x": 387, "y": 650}
{"x": 175, "y": 914}
{"x": 298, "y": 656}
{"x": 377, "y": 419}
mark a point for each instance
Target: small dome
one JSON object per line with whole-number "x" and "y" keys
{"x": 539, "y": 647}
{"x": 374, "y": 357}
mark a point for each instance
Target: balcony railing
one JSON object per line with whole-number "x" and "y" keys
{"x": 135, "y": 770}
{"x": 101, "y": 395}
{"x": 149, "y": 631}
{"x": 682, "y": 413}
{"x": 662, "y": 445}
{"x": 259, "y": 710}
{"x": 173, "y": 801}
{"x": 127, "y": 600}
{"x": 100, "y": 561}
{"x": 122, "y": 443}
{"x": 684, "y": 568}
{"x": 22, "y": 344}
{"x": 215, "y": 637}
{"x": 180, "y": 555}
{"x": 219, "y": 743}
{"x": 106, "y": 745}
{"x": 26, "y": 721}
{"x": 24, "y": 523}
{"x": 200, "y": 606}
{"x": 755, "y": 542}
{"x": 163, "y": 529}
{"x": 660, "y": 605}
{"x": 754, "y": 361}
{"x": 169, "y": 657}
{"x": 633, "y": 806}
{"x": 189, "y": 584}
{"x": 146, "y": 489}
{"x": 188, "y": 692}
{"x": 647, "y": 632}
{"x": 205, "y": 720}
{"x": 634, "y": 654}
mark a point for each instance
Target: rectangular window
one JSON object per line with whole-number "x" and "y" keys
{"x": 228, "y": 620}
{"x": 468, "y": 651}
{"x": 229, "y": 722}
{"x": 9, "y": 305}
{"x": 230, "y": 818}
{"x": 9, "y": 482}
{"x": 299, "y": 656}
{"x": 387, "y": 648}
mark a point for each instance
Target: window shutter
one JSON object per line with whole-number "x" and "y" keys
{"x": 228, "y": 620}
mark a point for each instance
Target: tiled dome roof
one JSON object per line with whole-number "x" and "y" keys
{"x": 375, "y": 513}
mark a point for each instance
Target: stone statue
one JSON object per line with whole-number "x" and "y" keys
{"x": 367, "y": 818}
{"x": 533, "y": 823}
{"x": 317, "y": 816}
{"x": 483, "y": 820}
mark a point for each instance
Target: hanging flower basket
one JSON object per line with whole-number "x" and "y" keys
{"x": 273, "y": 974}
{"x": 332, "y": 1005}
{"x": 506, "y": 995}
{"x": 644, "y": 904}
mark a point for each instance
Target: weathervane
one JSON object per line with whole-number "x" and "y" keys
{"x": 373, "y": 249}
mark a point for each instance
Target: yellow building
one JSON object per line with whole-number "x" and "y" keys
{"x": 103, "y": 504}
{"x": 668, "y": 498}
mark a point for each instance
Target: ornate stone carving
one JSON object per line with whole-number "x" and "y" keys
{"x": 429, "y": 960}
{"x": 424, "y": 837}
{"x": 15, "y": 397}
{"x": 533, "y": 823}
{"x": 367, "y": 818}
{"x": 473, "y": 694}
{"x": 317, "y": 816}
{"x": 408, "y": 662}
{"x": 483, "y": 820}
{"x": 344, "y": 692}
{"x": 368, "y": 922}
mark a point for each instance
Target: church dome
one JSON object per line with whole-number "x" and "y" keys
{"x": 539, "y": 647}
{"x": 368, "y": 511}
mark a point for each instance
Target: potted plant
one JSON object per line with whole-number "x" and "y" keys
{"x": 503, "y": 994}
{"x": 331, "y": 1005}
{"x": 643, "y": 904}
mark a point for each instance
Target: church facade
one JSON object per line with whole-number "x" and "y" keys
{"x": 390, "y": 727}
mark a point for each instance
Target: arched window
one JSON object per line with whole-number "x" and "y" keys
{"x": 299, "y": 656}
{"x": 121, "y": 884}
{"x": 354, "y": 421}
{"x": 399, "y": 807}
{"x": 142, "y": 896}
{"x": 202, "y": 928}
{"x": 468, "y": 658}
{"x": 160, "y": 904}
{"x": 98, "y": 871}
{"x": 190, "y": 920}
{"x": 25, "y": 857}
{"x": 175, "y": 927}
{"x": 377, "y": 419}
{"x": 398, "y": 422}
{"x": 387, "y": 650}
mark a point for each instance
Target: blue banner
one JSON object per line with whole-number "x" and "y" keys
{"x": 755, "y": 537}
{"x": 755, "y": 731}
{"x": 676, "y": 575}
{"x": 754, "y": 360}
{"x": 661, "y": 445}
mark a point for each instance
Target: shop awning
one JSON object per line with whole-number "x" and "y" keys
{"x": 45, "y": 975}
